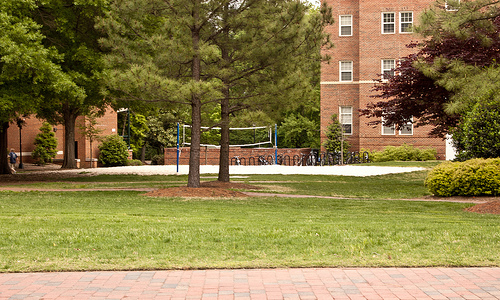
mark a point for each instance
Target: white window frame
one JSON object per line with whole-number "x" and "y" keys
{"x": 345, "y": 21}
{"x": 450, "y": 7}
{"x": 405, "y": 21}
{"x": 408, "y": 124}
{"x": 393, "y": 22}
{"x": 346, "y": 67}
{"x": 345, "y": 118}
{"x": 391, "y": 129}
{"x": 386, "y": 69}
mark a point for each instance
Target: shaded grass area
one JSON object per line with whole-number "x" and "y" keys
{"x": 49, "y": 231}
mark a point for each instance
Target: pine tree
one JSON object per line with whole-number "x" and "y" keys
{"x": 45, "y": 145}
{"x": 335, "y": 142}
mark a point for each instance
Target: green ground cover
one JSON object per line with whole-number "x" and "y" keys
{"x": 125, "y": 230}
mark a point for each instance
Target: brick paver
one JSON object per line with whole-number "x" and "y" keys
{"x": 326, "y": 283}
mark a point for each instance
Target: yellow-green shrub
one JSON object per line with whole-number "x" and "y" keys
{"x": 474, "y": 177}
{"x": 404, "y": 152}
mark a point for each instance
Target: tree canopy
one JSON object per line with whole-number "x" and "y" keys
{"x": 30, "y": 72}
{"x": 236, "y": 54}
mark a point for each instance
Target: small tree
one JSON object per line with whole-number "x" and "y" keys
{"x": 335, "y": 141}
{"x": 91, "y": 131}
{"x": 45, "y": 145}
{"x": 113, "y": 151}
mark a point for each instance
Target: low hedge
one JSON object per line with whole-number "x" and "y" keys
{"x": 404, "y": 152}
{"x": 475, "y": 177}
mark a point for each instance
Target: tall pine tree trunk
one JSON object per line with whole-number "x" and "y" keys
{"x": 69, "y": 116}
{"x": 4, "y": 161}
{"x": 224, "y": 159}
{"x": 224, "y": 138}
{"x": 194, "y": 157}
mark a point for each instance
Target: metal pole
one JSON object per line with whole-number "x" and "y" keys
{"x": 275, "y": 144}
{"x": 21, "y": 166}
{"x": 178, "y": 152}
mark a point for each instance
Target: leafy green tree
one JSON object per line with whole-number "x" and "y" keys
{"x": 335, "y": 141}
{"x": 69, "y": 26}
{"x": 45, "y": 145}
{"x": 138, "y": 133}
{"x": 29, "y": 72}
{"x": 299, "y": 131}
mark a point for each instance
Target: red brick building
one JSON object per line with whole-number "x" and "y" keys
{"x": 107, "y": 124}
{"x": 369, "y": 36}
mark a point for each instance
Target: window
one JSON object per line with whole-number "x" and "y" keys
{"x": 345, "y": 25}
{"x": 346, "y": 119}
{"x": 388, "y": 129}
{"x": 388, "y": 66}
{"x": 346, "y": 71}
{"x": 452, "y": 5}
{"x": 388, "y": 22}
{"x": 406, "y": 22}
{"x": 407, "y": 129}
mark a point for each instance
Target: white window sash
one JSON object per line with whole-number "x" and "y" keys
{"x": 388, "y": 66}
{"x": 345, "y": 25}
{"x": 346, "y": 68}
{"x": 388, "y": 20}
{"x": 406, "y": 18}
{"x": 388, "y": 130}
{"x": 345, "y": 113}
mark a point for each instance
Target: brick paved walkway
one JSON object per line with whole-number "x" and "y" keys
{"x": 349, "y": 283}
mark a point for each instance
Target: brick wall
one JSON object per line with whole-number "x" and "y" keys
{"x": 248, "y": 156}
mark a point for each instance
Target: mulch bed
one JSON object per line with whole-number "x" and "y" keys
{"x": 208, "y": 189}
{"x": 491, "y": 207}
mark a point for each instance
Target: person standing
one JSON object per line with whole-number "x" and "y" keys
{"x": 12, "y": 160}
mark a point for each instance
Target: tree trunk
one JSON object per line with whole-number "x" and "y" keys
{"x": 224, "y": 138}
{"x": 143, "y": 153}
{"x": 4, "y": 161}
{"x": 194, "y": 157}
{"x": 69, "y": 161}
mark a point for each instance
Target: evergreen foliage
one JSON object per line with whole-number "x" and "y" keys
{"x": 238, "y": 54}
{"x": 335, "y": 141}
{"x": 113, "y": 151}
{"x": 478, "y": 135}
{"x": 45, "y": 145}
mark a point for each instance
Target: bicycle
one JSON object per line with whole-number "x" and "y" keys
{"x": 237, "y": 160}
{"x": 262, "y": 160}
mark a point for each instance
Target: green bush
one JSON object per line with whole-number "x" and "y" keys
{"x": 475, "y": 177}
{"x": 158, "y": 160}
{"x": 134, "y": 162}
{"x": 404, "y": 152}
{"x": 113, "y": 151}
{"x": 45, "y": 145}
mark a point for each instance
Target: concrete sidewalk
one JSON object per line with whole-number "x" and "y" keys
{"x": 345, "y": 170}
{"x": 327, "y": 283}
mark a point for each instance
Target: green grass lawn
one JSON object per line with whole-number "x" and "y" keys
{"x": 125, "y": 230}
